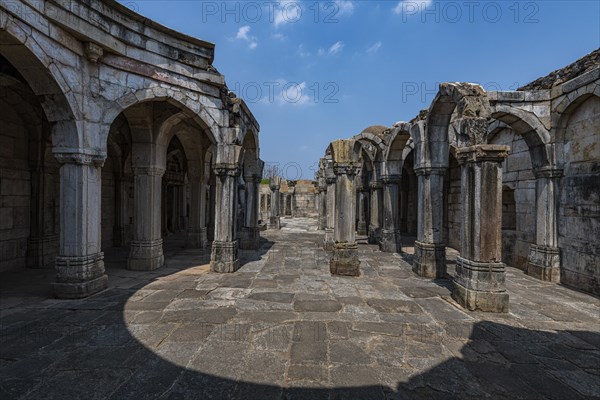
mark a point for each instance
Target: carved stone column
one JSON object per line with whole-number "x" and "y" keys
{"x": 146, "y": 252}
{"x": 376, "y": 212}
{"x": 250, "y": 237}
{"x": 331, "y": 207}
{"x": 430, "y": 250}
{"x": 197, "y": 232}
{"x": 42, "y": 242}
{"x": 390, "y": 234}
{"x": 274, "y": 218}
{"x": 292, "y": 198}
{"x": 80, "y": 262}
{"x": 363, "y": 202}
{"x": 543, "y": 261}
{"x": 344, "y": 260}
{"x": 122, "y": 231}
{"x": 224, "y": 256}
{"x": 322, "y": 204}
{"x": 480, "y": 273}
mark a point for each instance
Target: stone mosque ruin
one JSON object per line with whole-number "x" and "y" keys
{"x": 124, "y": 157}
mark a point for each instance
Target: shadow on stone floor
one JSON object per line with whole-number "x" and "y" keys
{"x": 86, "y": 349}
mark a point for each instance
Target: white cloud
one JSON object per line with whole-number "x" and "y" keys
{"x": 375, "y": 48}
{"x": 336, "y": 47}
{"x": 279, "y": 36}
{"x": 244, "y": 34}
{"x": 302, "y": 52}
{"x": 410, "y": 6}
{"x": 321, "y": 51}
{"x": 295, "y": 94}
{"x": 287, "y": 11}
{"x": 344, "y": 7}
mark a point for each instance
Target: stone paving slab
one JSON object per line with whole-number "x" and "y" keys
{"x": 283, "y": 328}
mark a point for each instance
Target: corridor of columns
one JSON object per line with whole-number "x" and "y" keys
{"x": 284, "y": 327}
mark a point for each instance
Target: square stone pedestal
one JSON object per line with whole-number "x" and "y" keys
{"x": 328, "y": 241}
{"x": 430, "y": 260}
{"x": 374, "y": 235}
{"x": 544, "y": 263}
{"x": 224, "y": 257}
{"x": 197, "y": 239}
{"x": 344, "y": 260}
{"x": 480, "y": 286}
{"x": 146, "y": 256}
{"x": 79, "y": 277}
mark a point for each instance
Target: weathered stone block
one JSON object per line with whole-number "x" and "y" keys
{"x": 430, "y": 260}
{"x": 224, "y": 257}
{"x": 344, "y": 260}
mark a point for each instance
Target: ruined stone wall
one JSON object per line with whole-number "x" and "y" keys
{"x": 305, "y": 204}
{"x": 579, "y": 214}
{"x": 519, "y": 207}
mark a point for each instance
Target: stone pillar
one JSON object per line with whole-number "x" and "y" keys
{"x": 543, "y": 261}
{"x": 274, "y": 219}
{"x": 322, "y": 204}
{"x": 210, "y": 209}
{"x": 390, "y": 234}
{"x": 430, "y": 250}
{"x": 122, "y": 230}
{"x": 41, "y": 245}
{"x": 241, "y": 207}
{"x": 250, "y": 237}
{"x": 480, "y": 278}
{"x": 376, "y": 210}
{"x": 197, "y": 232}
{"x": 344, "y": 260}
{"x": 331, "y": 207}
{"x": 80, "y": 263}
{"x": 292, "y": 198}
{"x": 146, "y": 252}
{"x": 224, "y": 256}
{"x": 363, "y": 203}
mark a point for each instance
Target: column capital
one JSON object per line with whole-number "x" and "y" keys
{"x": 374, "y": 185}
{"x": 430, "y": 170}
{"x": 482, "y": 152}
{"x": 80, "y": 158}
{"x": 549, "y": 171}
{"x": 390, "y": 179}
{"x": 274, "y": 187}
{"x": 253, "y": 178}
{"x": 345, "y": 169}
{"x": 224, "y": 169}
{"x": 330, "y": 180}
{"x": 148, "y": 170}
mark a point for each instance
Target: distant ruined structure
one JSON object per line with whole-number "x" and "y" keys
{"x": 505, "y": 178}
{"x": 117, "y": 132}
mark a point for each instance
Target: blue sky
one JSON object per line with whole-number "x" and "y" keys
{"x": 312, "y": 72}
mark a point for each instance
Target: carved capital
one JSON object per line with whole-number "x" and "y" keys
{"x": 390, "y": 179}
{"x": 483, "y": 152}
{"x": 223, "y": 169}
{"x": 429, "y": 170}
{"x": 92, "y": 51}
{"x": 376, "y": 185}
{"x": 80, "y": 158}
{"x": 548, "y": 172}
{"x": 148, "y": 171}
{"x": 345, "y": 169}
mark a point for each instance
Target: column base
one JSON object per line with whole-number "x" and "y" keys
{"x": 274, "y": 223}
{"x": 430, "y": 260}
{"x": 250, "y": 238}
{"x": 374, "y": 235}
{"x": 361, "y": 228}
{"x": 390, "y": 242}
{"x": 544, "y": 263}
{"x": 344, "y": 260}
{"x": 328, "y": 241}
{"x": 146, "y": 256}
{"x": 197, "y": 239}
{"x": 79, "y": 277}
{"x": 224, "y": 257}
{"x": 480, "y": 286}
{"x": 42, "y": 251}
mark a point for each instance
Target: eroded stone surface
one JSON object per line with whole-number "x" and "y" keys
{"x": 184, "y": 332}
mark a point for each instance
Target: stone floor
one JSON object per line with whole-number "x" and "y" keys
{"x": 282, "y": 327}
